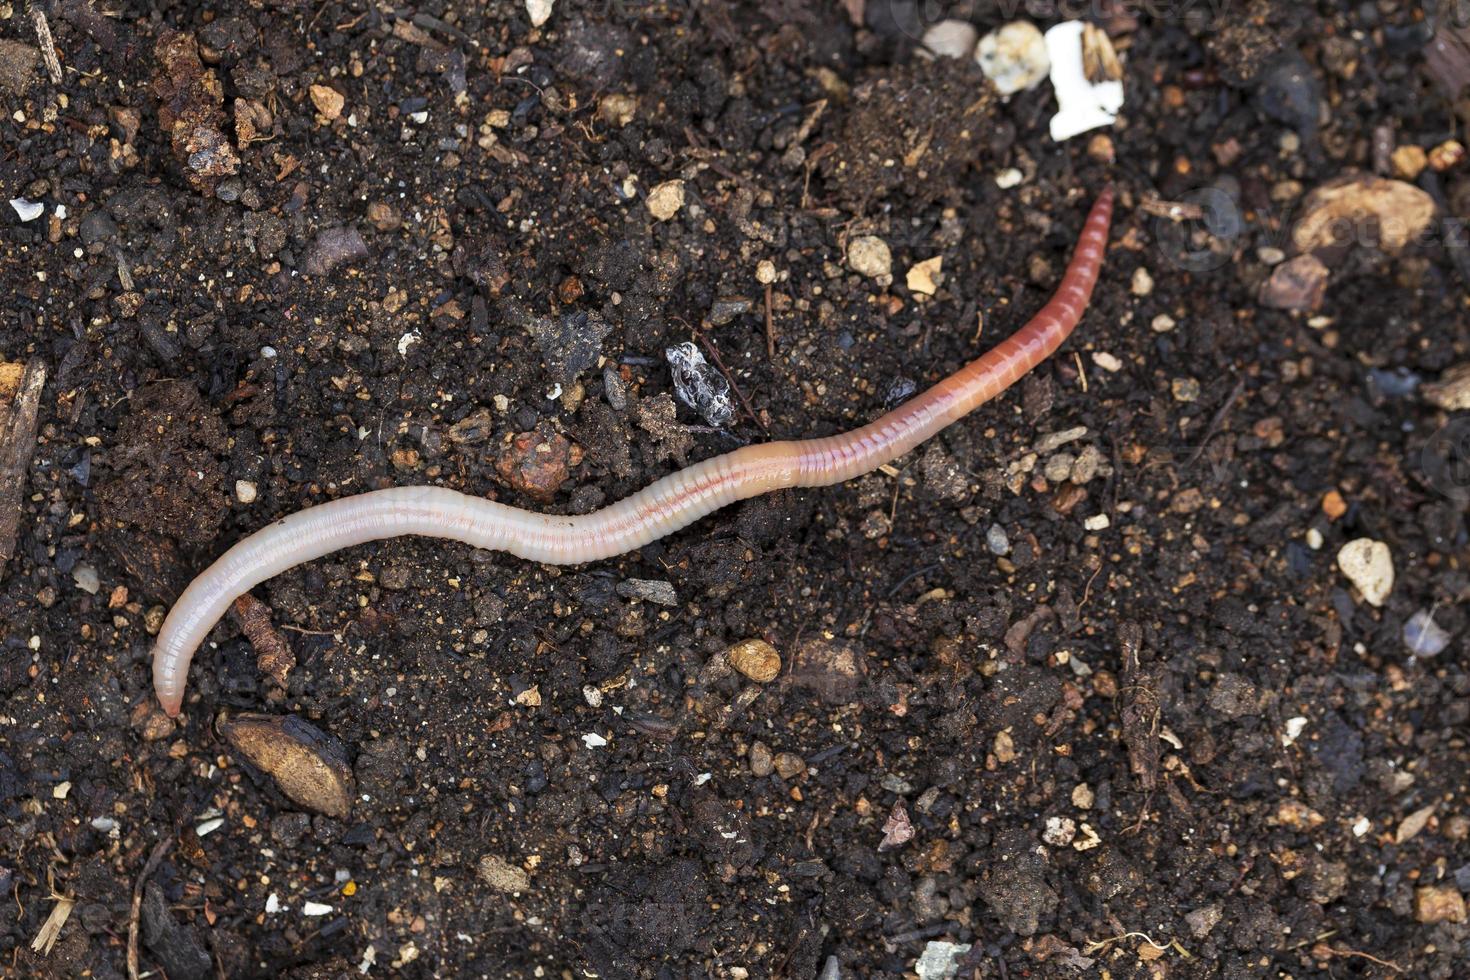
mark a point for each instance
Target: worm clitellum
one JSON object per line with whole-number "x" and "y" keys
{"x": 663, "y": 507}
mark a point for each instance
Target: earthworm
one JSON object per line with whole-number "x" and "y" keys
{"x": 659, "y": 509}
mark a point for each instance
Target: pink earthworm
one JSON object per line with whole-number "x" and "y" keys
{"x": 659, "y": 509}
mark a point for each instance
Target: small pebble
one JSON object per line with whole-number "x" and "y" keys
{"x": 996, "y": 540}
{"x": 617, "y": 109}
{"x": 762, "y": 762}
{"x": 1368, "y": 564}
{"x": 665, "y": 200}
{"x": 1297, "y": 284}
{"x": 1439, "y": 903}
{"x": 868, "y": 255}
{"x": 1107, "y": 361}
{"x": 1083, "y": 796}
{"x": 503, "y": 876}
{"x": 1143, "y": 282}
{"x": 1446, "y": 156}
{"x": 940, "y": 960}
{"x": 765, "y": 272}
{"x": 245, "y": 491}
{"x": 951, "y": 38}
{"x": 1185, "y": 389}
{"x": 1163, "y": 323}
{"x": 1008, "y": 178}
{"x": 789, "y": 765}
{"x": 756, "y": 659}
{"x": 86, "y": 578}
{"x": 1060, "y": 831}
{"x": 328, "y": 101}
{"x": 539, "y": 11}
{"x": 1423, "y": 636}
{"x": 924, "y": 277}
{"x": 1097, "y": 522}
{"x": 1314, "y": 539}
{"x": 1014, "y": 57}
{"x": 1409, "y": 161}
{"x": 1270, "y": 255}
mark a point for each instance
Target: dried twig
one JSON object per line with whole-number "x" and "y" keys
{"x": 1324, "y": 951}
{"x": 48, "y": 45}
{"x": 159, "y": 850}
{"x": 51, "y": 929}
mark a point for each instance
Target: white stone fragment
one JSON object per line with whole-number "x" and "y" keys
{"x": 316, "y": 908}
{"x": 951, "y": 38}
{"x": 868, "y": 255}
{"x": 539, "y": 11}
{"x": 1014, "y": 56}
{"x": 1368, "y": 564}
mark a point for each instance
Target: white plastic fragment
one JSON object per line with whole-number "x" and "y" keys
{"x": 1082, "y": 105}
{"x": 1423, "y": 636}
{"x": 27, "y": 210}
{"x": 594, "y": 740}
{"x": 1014, "y": 56}
{"x": 272, "y": 904}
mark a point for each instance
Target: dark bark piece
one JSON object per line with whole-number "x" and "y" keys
{"x": 1140, "y": 708}
{"x": 18, "y": 407}
{"x": 175, "y": 945}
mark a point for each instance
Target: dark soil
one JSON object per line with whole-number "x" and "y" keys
{"x": 388, "y": 242}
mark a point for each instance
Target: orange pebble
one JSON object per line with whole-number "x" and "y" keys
{"x": 1333, "y": 505}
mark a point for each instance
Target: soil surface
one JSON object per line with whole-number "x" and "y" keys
{"x": 1078, "y": 687}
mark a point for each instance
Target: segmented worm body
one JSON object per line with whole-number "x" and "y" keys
{"x": 661, "y": 508}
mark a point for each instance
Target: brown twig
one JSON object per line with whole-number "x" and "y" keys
{"x": 273, "y": 656}
{"x": 150, "y": 866}
{"x": 1323, "y": 950}
{"x": 770, "y": 327}
{"x": 1219, "y": 420}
